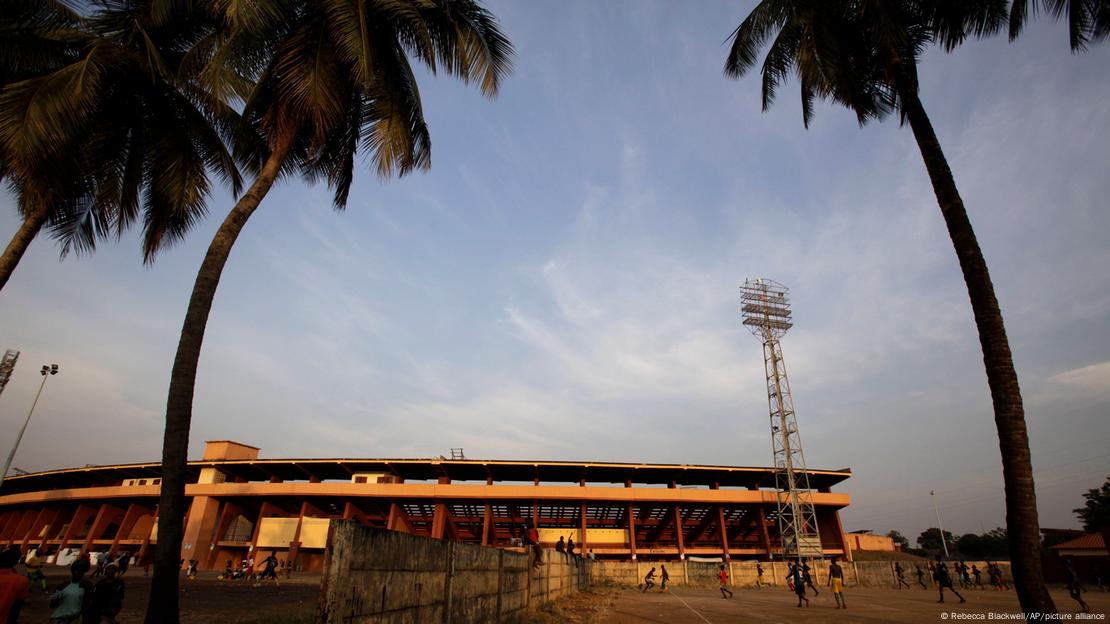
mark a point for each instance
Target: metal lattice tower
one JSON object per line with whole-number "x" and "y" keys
{"x": 765, "y": 306}
{"x": 7, "y": 365}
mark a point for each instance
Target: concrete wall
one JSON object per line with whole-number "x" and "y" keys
{"x": 377, "y": 576}
{"x": 744, "y": 573}
{"x": 866, "y": 541}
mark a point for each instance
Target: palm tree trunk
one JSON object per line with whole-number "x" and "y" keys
{"x": 1009, "y": 415}
{"x": 13, "y": 253}
{"x": 163, "y": 607}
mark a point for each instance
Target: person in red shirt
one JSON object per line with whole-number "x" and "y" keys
{"x": 14, "y": 588}
{"x": 722, "y": 576}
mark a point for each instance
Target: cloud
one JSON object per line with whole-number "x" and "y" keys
{"x": 1091, "y": 381}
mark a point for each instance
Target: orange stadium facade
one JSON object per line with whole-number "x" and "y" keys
{"x": 241, "y": 505}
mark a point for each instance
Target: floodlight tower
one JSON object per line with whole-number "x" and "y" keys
{"x": 7, "y": 365}
{"x": 765, "y": 306}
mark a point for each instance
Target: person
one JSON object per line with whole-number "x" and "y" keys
{"x": 570, "y": 547}
{"x": 808, "y": 579}
{"x": 107, "y": 600}
{"x": 537, "y": 550}
{"x": 798, "y": 580}
{"x": 759, "y": 574}
{"x": 1002, "y": 585}
{"x": 722, "y": 576}
{"x": 98, "y": 559}
{"x": 649, "y": 579}
{"x": 34, "y": 569}
{"x": 561, "y": 546}
{"x": 995, "y": 574}
{"x": 1075, "y": 589}
{"x": 944, "y": 580}
{"x": 591, "y": 556}
{"x": 836, "y": 582}
{"x": 123, "y": 562}
{"x": 664, "y": 577}
{"x": 920, "y": 576}
{"x": 270, "y": 572}
{"x": 901, "y": 575}
{"x": 73, "y": 599}
{"x": 978, "y": 574}
{"x": 961, "y": 572}
{"x": 14, "y": 588}
{"x": 191, "y": 572}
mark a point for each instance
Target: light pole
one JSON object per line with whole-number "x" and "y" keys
{"x": 52, "y": 370}
{"x": 943, "y": 542}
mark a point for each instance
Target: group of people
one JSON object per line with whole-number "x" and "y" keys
{"x": 530, "y": 537}
{"x": 649, "y": 579}
{"x": 799, "y": 579}
{"x": 78, "y": 601}
{"x": 967, "y": 576}
{"x": 247, "y": 571}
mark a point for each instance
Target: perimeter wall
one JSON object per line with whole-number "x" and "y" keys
{"x": 745, "y": 574}
{"x": 375, "y": 576}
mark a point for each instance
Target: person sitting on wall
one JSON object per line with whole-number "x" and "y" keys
{"x": 537, "y": 550}
{"x": 561, "y": 546}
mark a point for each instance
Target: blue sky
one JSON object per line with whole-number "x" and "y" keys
{"x": 563, "y": 283}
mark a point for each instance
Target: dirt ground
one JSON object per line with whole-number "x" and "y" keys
{"x": 870, "y": 606}
{"x": 207, "y": 600}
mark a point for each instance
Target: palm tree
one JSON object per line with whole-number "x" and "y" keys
{"x": 102, "y": 121}
{"x": 863, "y": 54}
{"x": 331, "y": 77}
{"x": 1088, "y": 20}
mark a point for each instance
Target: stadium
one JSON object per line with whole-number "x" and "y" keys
{"x": 240, "y": 504}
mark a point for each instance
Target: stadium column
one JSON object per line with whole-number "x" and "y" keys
{"x": 351, "y": 511}
{"x": 764, "y": 536}
{"x": 266, "y": 510}
{"x": 724, "y": 532}
{"x": 42, "y": 523}
{"x": 487, "y": 522}
{"x": 9, "y": 519}
{"x": 134, "y": 512}
{"x": 441, "y": 520}
{"x": 228, "y": 514}
{"x": 582, "y": 539}
{"x": 631, "y": 531}
{"x": 104, "y": 518}
{"x": 146, "y": 540}
{"x": 678, "y": 529}
{"x": 54, "y": 528}
{"x": 295, "y": 544}
{"x": 81, "y": 516}
{"x": 843, "y": 536}
{"x": 203, "y": 515}
{"x": 398, "y": 520}
{"x": 22, "y": 527}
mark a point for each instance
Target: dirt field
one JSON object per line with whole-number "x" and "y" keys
{"x": 870, "y": 606}
{"x": 208, "y": 601}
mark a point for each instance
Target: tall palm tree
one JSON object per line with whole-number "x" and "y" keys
{"x": 103, "y": 121}
{"x": 863, "y": 54}
{"x": 331, "y": 77}
{"x": 1088, "y": 20}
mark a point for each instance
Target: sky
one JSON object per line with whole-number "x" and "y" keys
{"x": 563, "y": 283}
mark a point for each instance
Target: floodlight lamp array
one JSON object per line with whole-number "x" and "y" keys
{"x": 765, "y": 306}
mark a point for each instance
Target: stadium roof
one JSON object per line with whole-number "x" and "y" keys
{"x": 499, "y": 471}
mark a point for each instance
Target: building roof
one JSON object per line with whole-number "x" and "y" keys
{"x": 500, "y": 471}
{"x": 1090, "y": 541}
